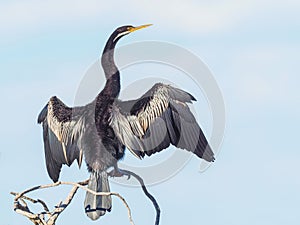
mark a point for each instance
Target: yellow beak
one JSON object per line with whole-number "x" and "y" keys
{"x": 132, "y": 29}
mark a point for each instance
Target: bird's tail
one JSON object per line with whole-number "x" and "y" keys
{"x": 97, "y": 205}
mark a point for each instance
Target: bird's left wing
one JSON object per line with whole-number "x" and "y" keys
{"x": 62, "y": 130}
{"x": 159, "y": 118}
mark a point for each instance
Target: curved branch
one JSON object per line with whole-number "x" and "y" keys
{"x": 141, "y": 181}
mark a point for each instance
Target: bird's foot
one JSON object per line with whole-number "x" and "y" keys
{"x": 116, "y": 172}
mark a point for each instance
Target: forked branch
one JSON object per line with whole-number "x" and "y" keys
{"x": 48, "y": 217}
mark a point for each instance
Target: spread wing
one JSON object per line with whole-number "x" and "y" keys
{"x": 159, "y": 118}
{"x": 62, "y": 131}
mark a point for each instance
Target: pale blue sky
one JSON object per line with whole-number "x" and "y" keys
{"x": 252, "y": 48}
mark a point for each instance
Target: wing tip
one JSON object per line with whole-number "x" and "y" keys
{"x": 43, "y": 114}
{"x": 192, "y": 97}
{"x": 208, "y": 154}
{"x": 209, "y": 159}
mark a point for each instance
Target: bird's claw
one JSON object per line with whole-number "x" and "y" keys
{"x": 118, "y": 173}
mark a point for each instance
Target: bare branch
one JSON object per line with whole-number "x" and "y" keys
{"x": 38, "y": 219}
{"x": 153, "y": 200}
{"x": 62, "y": 206}
{"x": 32, "y": 200}
{"x": 48, "y": 217}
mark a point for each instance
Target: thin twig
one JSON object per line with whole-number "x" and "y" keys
{"x": 141, "y": 181}
{"x": 33, "y": 200}
{"x": 62, "y": 206}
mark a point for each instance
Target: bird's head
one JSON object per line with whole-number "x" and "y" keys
{"x": 107, "y": 59}
{"x": 124, "y": 30}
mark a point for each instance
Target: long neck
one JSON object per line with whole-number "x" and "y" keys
{"x": 112, "y": 86}
{"x": 107, "y": 59}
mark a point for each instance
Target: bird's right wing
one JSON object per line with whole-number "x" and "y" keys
{"x": 62, "y": 131}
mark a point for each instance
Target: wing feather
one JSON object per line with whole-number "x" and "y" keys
{"x": 159, "y": 118}
{"x": 62, "y": 131}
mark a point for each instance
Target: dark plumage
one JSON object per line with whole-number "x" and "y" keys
{"x": 102, "y": 129}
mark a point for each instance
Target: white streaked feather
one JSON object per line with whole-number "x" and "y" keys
{"x": 131, "y": 128}
{"x": 121, "y": 34}
{"x": 63, "y": 134}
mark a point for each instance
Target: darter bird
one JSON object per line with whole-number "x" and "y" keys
{"x": 100, "y": 131}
